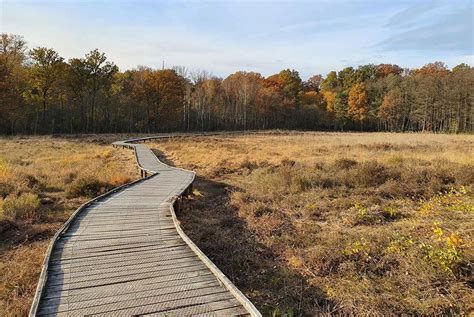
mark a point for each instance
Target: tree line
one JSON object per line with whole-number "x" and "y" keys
{"x": 41, "y": 93}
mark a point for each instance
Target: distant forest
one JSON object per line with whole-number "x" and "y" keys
{"x": 41, "y": 93}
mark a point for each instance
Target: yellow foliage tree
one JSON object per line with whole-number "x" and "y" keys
{"x": 330, "y": 99}
{"x": 358, "y": 103}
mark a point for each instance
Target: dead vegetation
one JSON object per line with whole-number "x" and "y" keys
{"x": 42, "y": 181}
{"x": 330, "y": 222}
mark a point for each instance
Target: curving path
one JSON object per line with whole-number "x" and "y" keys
{"x": 124, "y": 253}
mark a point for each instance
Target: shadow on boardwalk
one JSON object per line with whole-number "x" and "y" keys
{"x": 214, "y": 225}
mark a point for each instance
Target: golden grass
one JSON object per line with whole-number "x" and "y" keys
{"x": 364, "y": 223}
{"x": 311, "y": 147}
{"x": 46, "y": 168}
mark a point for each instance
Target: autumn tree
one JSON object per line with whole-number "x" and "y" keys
{"x": 331, "y": 82}
{"x": 310, "y": 98}
{"x": 241, "y": 90}
{"x": 383, "y": 70}
{"x": 364, "y": 73}
{"x": 357, "y": 102}
{"x": 391, "y": 110}
{"x": 461, "y": 68}
{"x": 270, "y": 103}
{"x": 98, "y": 75}
{"x": 13, "y": 79}
{"x": 341, "y": 110}
{"x": 46, "y": 71}
{"x": 436, "y": 68}
{"x": 313, "y": 83}
{"x": 346, "y": 78}
{"x": 292, "y": 83}
{"x": 330, "y": 99}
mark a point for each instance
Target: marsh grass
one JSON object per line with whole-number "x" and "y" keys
{"x": 22, "y": 207}
{"x": 349, "y": 223}
{"x": 42, "y": 181}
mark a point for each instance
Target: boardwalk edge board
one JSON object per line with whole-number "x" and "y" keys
{"x": 146, "y": 174}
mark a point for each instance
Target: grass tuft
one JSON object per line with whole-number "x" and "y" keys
{"x": 86, "y": 187}
{"x": 23, "y": 207}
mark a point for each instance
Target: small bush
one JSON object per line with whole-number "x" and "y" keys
{"x": 393, "y": 189}
{"x": 250, "y": 165}
{"x": 319, "y": 166}
{"x": 390, "y": 213}
{"x": 328, "y": 182}
{"x": 33, "y": 183}
{"x": 447, "y": 257}
{"x": 86, "y": 187}
{"x": 361, "y": 215}
{"x": 465, "y": 174}
{"x": 370, "y": 173}
{"x": 5, "y": 189}
{"x": 287, "y": 162}
{"x": 221, "y": 170}
{"x": 300, "y": 183}
{"x": 25, "y": 206}
{"x": 261, "y": 210}
{"x": 345, "y": 163}
{"x": 69, "y": 177}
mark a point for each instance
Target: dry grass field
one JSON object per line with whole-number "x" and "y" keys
{"x": 364, "y": 223}
{"x": 42, "y": 181}
{"x": 303, "y": 223}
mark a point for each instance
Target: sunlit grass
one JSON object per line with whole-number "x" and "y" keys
{"x": 374, "y": 223}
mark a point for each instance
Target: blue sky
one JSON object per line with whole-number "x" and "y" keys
{"x": 265, "y": 36}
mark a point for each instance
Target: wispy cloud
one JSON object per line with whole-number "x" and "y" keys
{"x": 451, "y": 32}
{"x": 413, "y": 14}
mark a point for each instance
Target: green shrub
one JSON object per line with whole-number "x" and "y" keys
{"x": 447, "y": 257}
{"x": 86, "y": 187}
{"x": 25, "y": 206}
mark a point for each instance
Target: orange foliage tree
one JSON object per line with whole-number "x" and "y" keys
{"x": 358, "y": 103}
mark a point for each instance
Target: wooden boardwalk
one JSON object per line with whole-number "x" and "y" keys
{"x": 124, "y": 253}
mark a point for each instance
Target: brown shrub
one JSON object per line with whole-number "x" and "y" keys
{"x": 345, "y": 163}
{"x": 393, "y": 189}
{"x": 367, "y": 174}
{"x": 86, "y": 187}
{"x": 250, "y": 165}
{"x": 464, "y": 174}
{"x": 287, "y": 162}
{"x": 5, "y": 189}
{"x": 33, "y": 183}
{"x": 300, "y": 182}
